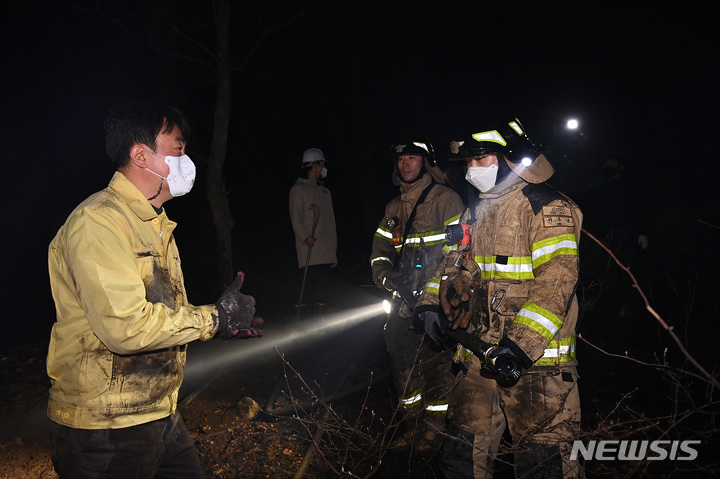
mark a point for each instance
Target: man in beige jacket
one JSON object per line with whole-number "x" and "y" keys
{"x": 313, "y": 221}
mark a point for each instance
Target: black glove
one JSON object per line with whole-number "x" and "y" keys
{"x": 435, "y": 328}
{"x": 237, "y": 312}
{"x": 501, "y": 361}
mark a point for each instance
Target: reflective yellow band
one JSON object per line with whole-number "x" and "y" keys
{"x": 429, "y": 238}
{"x": 383, "y": 233}
{"x": 547, "y": 249}
{"x": 539, "y": 319}
{"x": 505, "y": 267}
{"x": 412, "y": 400}
{"x": 463, "y": 353}
{"x": 438, "y": 408}
{"x": 455, "y": 220}
{"x": 432, "y": 285}
{"x": 380, "y": 259}
{"x": 562, "y": 351}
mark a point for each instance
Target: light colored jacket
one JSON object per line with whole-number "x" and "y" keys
{"x": 303, "y": 194}
{"x": 117, "y": 350}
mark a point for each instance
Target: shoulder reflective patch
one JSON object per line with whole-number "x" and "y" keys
{"x": 557, "y": 216}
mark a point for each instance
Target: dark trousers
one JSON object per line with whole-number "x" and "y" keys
{"x": 161, "y": 449}
{"x": 418, "y": 370}
{"x": 316, "y": 283}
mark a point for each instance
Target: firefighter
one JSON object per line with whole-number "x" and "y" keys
{"x": 407, "y": 248}
{"x": 513, "y": 285}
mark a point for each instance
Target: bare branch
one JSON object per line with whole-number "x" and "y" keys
{"x": 265, "y": 34}
{"x": 708, "y": 224}
{"x": 644, "y": 363}
{"x": 654, "y": 313}
{"x": 180, "y": 33}
{"x": 158, "y": 48}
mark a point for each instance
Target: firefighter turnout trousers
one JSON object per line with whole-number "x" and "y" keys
{"x": 422, "y": 374}
{"x": 541, "y": 410}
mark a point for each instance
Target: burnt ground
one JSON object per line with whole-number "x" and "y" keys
{"x": 253, "y": 406}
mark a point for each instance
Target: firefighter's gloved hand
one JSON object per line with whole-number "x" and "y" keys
{"x": 386, "y": 279}
{"x": 237, "y": 312}
{"x": 502, "y": 362}
{"x": 435, "y": 328}
{"x": 457, "y": 298}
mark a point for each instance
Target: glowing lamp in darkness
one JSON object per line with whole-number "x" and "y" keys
{"x": 526, "y": 161}
{"x": 387, "y": 306}
{"x": 572, "y": 124}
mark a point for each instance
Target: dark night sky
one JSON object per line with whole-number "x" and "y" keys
{"x": 348, "y": 77}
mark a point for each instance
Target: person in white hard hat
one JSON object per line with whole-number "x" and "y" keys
{"x": 313, "y": 221}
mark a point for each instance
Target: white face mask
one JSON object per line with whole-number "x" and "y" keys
{"x": 323, "y": 172}
{"x": 182, "y": 174}
{"x": 482, "y": 177}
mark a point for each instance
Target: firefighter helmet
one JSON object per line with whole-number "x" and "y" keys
{"x": 502, "y": 134}
{"x": 419, "y": 148}
{"x": 492, "y": 133}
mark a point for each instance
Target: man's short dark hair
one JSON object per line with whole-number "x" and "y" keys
{"x": 131, "y": 122}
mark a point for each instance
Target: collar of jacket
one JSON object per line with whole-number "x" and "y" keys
{"x": 129, "y": 193}
{"x": 416, "y": 188}
{"x": 538, "y": 172}
{"x": 511, "y": 183}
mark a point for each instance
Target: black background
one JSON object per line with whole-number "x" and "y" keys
{"x": 349, "y": 77}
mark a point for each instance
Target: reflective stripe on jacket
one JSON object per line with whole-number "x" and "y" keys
{"x": 525, "y": 241}
{"x": 441, "y": 207}
{"x": 117, "y": 350}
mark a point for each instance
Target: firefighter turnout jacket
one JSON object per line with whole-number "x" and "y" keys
{"x": 525, "y": 242}
{"x": 424, "y": 244}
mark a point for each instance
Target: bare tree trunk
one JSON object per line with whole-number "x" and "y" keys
{"x": 219, "y": 204}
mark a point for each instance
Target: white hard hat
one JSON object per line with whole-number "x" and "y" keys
{"x": 312, "y": 155}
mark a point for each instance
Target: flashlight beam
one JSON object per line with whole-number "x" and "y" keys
{"x": 233, "y": 352}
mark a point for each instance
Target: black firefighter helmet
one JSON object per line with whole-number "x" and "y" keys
{"x": 494, "y": 133}
{"x": 418, "y": 148}
{"x": 500, "y": 133}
